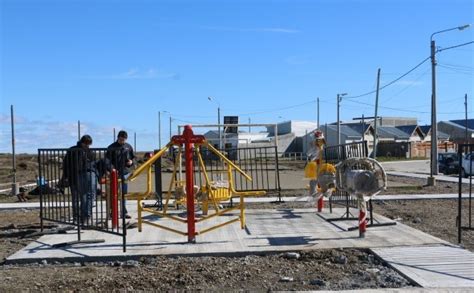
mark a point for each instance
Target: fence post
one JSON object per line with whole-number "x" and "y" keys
{"x": 114, "y": 198}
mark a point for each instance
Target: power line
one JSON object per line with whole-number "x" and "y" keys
{"x": 408, "y": 86}
{"x": 392, "y": 82}
{"x": 460, "y": 71}
{"x": 455, "y": 46}
{"x": 279, "y": 109}
{"x": 404, "y": 110}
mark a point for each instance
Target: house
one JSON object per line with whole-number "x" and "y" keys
{"x": 292, "y": 135}
{"x": 457, "y": 130}
{"x": 414, "y": 131}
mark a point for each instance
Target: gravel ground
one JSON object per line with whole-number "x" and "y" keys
{"x": 335, "y": 269}
{"x": 309, "y": 270}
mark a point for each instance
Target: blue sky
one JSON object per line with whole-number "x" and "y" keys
{"x": 117, "y": 63}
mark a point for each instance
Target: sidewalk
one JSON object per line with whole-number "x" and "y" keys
{"x": 132, "y": 203}
{"x": 442, "y": 178}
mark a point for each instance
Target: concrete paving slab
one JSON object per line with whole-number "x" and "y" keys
{"x": 36, "y": 205}
{"x": 432, "y": 266}
{"x": 266, "y": 231}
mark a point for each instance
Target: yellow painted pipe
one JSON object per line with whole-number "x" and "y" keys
{"x": 218, "y": 226}
{"x": 148, "y": 163}
{"x": 166, "y": 228}
{"x": 221, "y": 212}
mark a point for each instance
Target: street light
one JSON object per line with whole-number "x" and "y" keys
{"x": 434, "y": 131}
{"x": 339, "y": 99}
{"x": 159, "y": 127}
{"x": 218, "y": 119}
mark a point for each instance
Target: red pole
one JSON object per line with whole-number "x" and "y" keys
{"x": 114, "y": 198}
{"x": 362, "y": 218}
{"x": 321, "y": 199}
{"x": 320, "y": 204}
{"x": 188, "y": 154}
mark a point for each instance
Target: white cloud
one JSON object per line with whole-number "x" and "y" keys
{"x": 257, "y": 30}
{"x": 30, "y": 135}
{"x": 136, "y": 73}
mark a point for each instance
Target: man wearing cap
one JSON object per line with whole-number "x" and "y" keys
{"x": 121, "y": 155}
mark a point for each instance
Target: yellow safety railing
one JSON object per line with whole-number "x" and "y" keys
{"x": 212, "y": 194}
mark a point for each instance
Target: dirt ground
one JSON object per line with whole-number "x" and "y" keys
{"x": 335, "y": 269}
{"x": 308, "y": 270}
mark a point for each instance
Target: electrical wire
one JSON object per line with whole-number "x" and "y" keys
{"x": 390, "y": 83}
{"x": 279, "y": 109}
{"x": 455, "y": 46}
{"x": 404, "y": 110}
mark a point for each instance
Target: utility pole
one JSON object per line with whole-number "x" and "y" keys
{"x": 434, "y": 128}
{"x": 339, "y": 99}
{"x": 15, "y": 189}
{"x": 375, "y": 116}
{"x": 78, "y": 130}
{"x": 363, "y": 128}
{"x": 249, "y": 124}
{"x": 219, "y": 126}
{"x": 338, "y": 141}
{"x": 171, "y": 122}
{"x": 135, "y": 141}
{"x": 465, "y": 111}
{"x": 318, "y": 113}
{"x": 114, "y": 135}
{"x": 159, "y": 130}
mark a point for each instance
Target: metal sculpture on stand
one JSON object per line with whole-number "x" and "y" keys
{"x": 364, "y": 178}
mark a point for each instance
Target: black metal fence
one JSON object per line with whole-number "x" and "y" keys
{"x": 260, "y": 163}
{"x": 466, "y": 162}
{"x": 336, "y": 154}
{"x": 75, "y": 189}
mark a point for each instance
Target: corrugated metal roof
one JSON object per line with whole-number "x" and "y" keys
{"x": 427, "y": 128}
{"x": 345, "y": 130}
{"x": 462, "y": 123}
{"x": 391, "y": 132}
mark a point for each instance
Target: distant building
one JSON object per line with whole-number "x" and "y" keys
{"x": 457, "y": 130}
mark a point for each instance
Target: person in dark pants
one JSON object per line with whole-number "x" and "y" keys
{"x": 80, "y": 173}
{"x": 121, "y": 155}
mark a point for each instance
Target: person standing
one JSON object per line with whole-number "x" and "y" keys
{"x": 121, "y": 155}
{"x": 79, "y": 171}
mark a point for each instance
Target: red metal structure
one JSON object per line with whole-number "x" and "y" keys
{"x": 362, "y": 221}
{"x": 114, "y": 197}
{"x": 189, "y": 139}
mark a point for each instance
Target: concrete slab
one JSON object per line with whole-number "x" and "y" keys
{"x": 432, "y": 266}
{"x": 36, "y": 205}
{"x": 266, "y": 231}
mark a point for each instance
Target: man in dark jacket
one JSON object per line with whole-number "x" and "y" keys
{"x": 121, "y": 155}
{"x": 80, "y": 173}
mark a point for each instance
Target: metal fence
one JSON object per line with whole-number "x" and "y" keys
{"x": 466, "y": 162}
{"x": 336, "y": 154}
{"x": 261, "y": 163}
{"x": 76, "y": 188}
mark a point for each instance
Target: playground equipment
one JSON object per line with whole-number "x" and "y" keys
{"x": 187, "y": 193}
{"x": 321, "y": 175}
{"x": 364, "y": 178}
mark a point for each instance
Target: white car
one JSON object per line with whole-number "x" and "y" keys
{"x": 467, "y": 168}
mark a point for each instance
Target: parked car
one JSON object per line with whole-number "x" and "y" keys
{"x": 448, "y": 163}
{"x": 467, "y": 165}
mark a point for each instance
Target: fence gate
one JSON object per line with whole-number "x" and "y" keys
{"x": 82, "y": 189}
{"x": 465, "y": 205}
{"x": 261, "y": 163}
{"x": 336, "y": 154}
